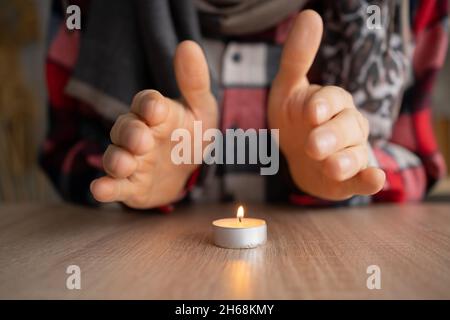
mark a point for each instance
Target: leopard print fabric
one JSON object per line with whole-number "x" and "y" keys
{"x": 372, "y": 64}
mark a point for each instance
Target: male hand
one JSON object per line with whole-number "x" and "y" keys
{"x": 322, "y": 135}
{"x": 141, "y": 173}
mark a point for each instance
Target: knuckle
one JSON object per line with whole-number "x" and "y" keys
{"x": 339, "y": 90}
{"x": 127, "y": 130}
{"x": 137, "y": 201}
{"x": 108, "y": 166}
{"x": 119, "y": 126}
{"x": 332, "y": 166}
{"x": 358, "y": 156}
{"x": 148, "y": 93}
{"x": 113, "y": 134}
{"x": 343, "y": 94}
{"x": 347, "y": 96}
{"x": 136, "y": 137}
{"x": 120, "y": 120}
{"x": 106, "y": 159}
{"x": 151, "y": 94}
{"x": 143, "y": 97}
{"x": 364, "y": 157}
{"x": 131, "y": 131}
{"x": 367, "y": 126}
{"x": 311, "y": 146}
{"x": 359, "y": 121}
{"x": 138, "y": 126}
{"x": 364, "y": 124}
{"x": 137, "y": 97}
{"x": 110, "y": 159}
{"x": 131, "y": 122}
{"x": 333, "y": 89}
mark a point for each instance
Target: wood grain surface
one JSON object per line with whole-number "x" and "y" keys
{"x": 310, "y": 254}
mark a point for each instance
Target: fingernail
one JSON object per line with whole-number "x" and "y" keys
{"x": 345, "y": 163}
{"x": 132, "y": 138}
{"x": 158, "y": 107}
{"x": 146, "y": 106}
{"x": 152, "y": 110}
{"x": 321, "y": 111}
{"x": 92, "y": 183}
{"x": 326, "y": 142}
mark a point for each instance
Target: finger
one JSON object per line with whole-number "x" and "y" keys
{"x": 119, "y": 163}
{"x": 327, "y": 102}
{"x": 132, "y": 134}
{"x": 348, "y": 128}
{"x": 300, "y": 49}
{"x": 191, "y": 71}
{"x": 107, "y": 189}
{"x": 151, "y": 106}
{"x": 345, "y": 164}
{"x": 297, "y": 99}
{"x": 367, "y": 182}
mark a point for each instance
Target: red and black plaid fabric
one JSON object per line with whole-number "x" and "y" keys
{"x": 411, "y": 160}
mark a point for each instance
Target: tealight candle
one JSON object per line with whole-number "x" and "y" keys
{"x": 239, "y": 232}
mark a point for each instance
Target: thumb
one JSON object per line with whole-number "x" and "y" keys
{"x": 191, "y": 71}
{"x": 300, "y": 49}
{"x": 367, "y": 182}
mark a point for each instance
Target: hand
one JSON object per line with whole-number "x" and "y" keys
{"x": 322, "y": 135}
{"x": 140, "y": 170}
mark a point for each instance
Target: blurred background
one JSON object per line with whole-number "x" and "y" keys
{"x": 23, "y": 43}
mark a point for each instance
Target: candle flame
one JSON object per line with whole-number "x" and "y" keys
{"x": 240, "y": 213}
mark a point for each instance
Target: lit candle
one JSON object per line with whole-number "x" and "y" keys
{"x": 239, "y": 232}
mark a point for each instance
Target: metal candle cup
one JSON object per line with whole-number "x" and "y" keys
{"x": 239, "y": 232}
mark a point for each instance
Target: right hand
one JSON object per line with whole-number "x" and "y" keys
{"x": 323, "y": 136}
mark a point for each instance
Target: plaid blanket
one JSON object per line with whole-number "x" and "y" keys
{"x": 402, "y": 139}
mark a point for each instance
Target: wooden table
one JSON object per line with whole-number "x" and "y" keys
{"x": 310, "y": 253}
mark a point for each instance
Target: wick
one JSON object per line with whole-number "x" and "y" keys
{"x": 240, "y": 220}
